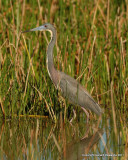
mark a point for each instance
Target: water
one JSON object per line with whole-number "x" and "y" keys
{"x": 40, "y": 139}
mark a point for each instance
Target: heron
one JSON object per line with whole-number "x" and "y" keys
{"x": 70, "y": 88}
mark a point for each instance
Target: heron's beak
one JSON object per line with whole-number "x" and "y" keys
{"x": 40, "y": 28}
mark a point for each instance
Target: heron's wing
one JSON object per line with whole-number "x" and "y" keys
{"x": 76, "y": 93}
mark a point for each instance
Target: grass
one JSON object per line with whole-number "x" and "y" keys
{"x": 92, "y": 45}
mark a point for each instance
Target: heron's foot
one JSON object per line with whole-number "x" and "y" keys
{"x": 87, "y": 114}
{"x": 74, "y": 116}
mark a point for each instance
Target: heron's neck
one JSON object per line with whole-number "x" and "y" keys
{"x": 50, "y": 64}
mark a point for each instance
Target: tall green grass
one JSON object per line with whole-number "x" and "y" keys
{"x": 92, "y": 45}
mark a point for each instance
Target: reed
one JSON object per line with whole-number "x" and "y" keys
{"x": 91, "y": 45}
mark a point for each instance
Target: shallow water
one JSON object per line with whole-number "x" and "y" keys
{"x": 39, "y": 138}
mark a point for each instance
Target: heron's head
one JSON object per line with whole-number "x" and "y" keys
{"x": 44, "y": 27}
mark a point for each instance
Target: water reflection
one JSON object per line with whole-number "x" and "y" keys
{"x": 80, "y": 149}
{"x": 37, "y": 138}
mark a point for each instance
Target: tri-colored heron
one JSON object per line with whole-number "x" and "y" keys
{"x": 69, "y": 87}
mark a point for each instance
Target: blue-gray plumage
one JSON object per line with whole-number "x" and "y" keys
{"x": 69, "y": 87}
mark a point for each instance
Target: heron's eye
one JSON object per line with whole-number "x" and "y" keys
{"x": 45, "y": 26}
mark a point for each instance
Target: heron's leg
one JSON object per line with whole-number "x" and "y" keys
{"x": 74, "y": 116}
{"x": 87, "y": 114}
